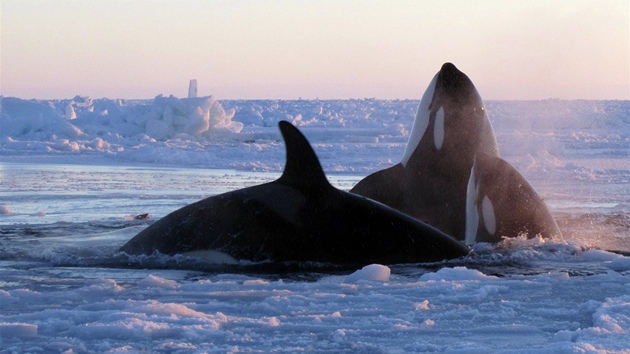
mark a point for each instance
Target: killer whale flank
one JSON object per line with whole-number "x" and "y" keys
{"x": 298, "y": 217}
{"x": 451, "y": 132}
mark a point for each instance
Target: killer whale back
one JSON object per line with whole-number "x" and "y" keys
{"x": 298, "y": 217}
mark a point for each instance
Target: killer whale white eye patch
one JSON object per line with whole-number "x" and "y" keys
{"x": 438, "y": 129}
{"x": 489, "y": 219}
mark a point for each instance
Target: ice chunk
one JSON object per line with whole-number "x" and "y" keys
{"x": 70, "y": 113}
{"x": 372, "y": 272}
{"x": 157, "y": 129}
{"x": 454, "y": 274}
{"x": 192, "y": 88}
{"x": 198, "y": 122}
{"x": 20, "y": 117}
{"x": 153, "y": 281}
{"x": 17, "y": 330}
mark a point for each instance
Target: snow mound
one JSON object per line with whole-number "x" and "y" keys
{"x": 17, "y": 330}
{"x": 20, "y": 117}
{"x": 152, "y": 281}
{"x": 197, "y": 118}
{"x": 372, "y": 272}
{"x": 613, "y": 261}
{"x": 455, "y": 274}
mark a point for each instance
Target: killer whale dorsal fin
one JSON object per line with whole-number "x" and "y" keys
{"x": 302, "y": 168}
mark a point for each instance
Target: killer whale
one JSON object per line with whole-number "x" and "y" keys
{"x": 431, "y": 182}
{"x": 451, "y": 126}
{"x": 500, "y": 202}
{"x": 298, "y": 217}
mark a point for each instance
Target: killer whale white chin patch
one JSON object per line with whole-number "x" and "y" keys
{"x": 472, "y": 215}
{"x": 489, "y": 218}
{"x": 438, "y": 129}
{"x": 421, "y": 123}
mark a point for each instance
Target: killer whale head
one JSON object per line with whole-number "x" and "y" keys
{"x": 451, "y": 119}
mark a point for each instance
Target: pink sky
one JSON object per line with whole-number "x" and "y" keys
{"x": 568, "y": 49}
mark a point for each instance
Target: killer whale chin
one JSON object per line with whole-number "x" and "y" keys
{"x": 421, "y": 122}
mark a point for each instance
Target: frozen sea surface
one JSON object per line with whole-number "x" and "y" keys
{"x": 67, "y": 201}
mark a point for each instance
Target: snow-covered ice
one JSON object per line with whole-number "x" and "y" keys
{"x": 452, "y": 309}
{"x": 74, "y": 172}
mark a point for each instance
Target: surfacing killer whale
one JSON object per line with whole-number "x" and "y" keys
{"x": 451, "y": 175}
{"x": 298, "y": 217}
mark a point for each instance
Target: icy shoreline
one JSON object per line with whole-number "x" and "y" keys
{"x": 68, "y": 221}
{"x": 349, "y": 136}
